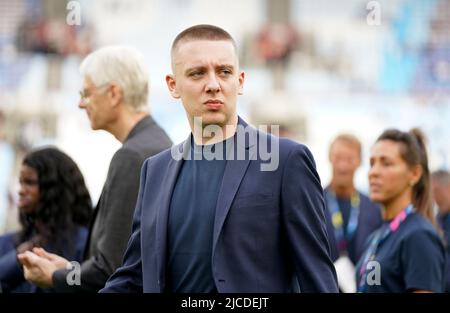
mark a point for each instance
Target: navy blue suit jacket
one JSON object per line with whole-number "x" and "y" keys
{"x": 269, "y": 229}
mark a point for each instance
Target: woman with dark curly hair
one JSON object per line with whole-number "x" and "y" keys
{"x": 54, "y": 212}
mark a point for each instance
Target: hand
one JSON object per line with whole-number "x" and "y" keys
{"x": 39, "y": 269}
{"x": 24, "y": 246}
{"x": 57, "y": 260}
{"x": 28, "y": 245}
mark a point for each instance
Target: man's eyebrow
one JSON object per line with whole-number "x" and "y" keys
{"x": 195, "y": 68}
{"x": 226, "y": 66}
{"x": 203, "y": 68}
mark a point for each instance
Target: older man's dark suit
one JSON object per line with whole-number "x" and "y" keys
{"x": 111, "y": 227}
{"x": 269, "y": 230}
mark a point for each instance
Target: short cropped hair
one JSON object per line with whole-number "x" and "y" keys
{"x": 442, "y": 177}
{"x": 202, "y": 32}
{"x": 350, "y": 140}
{"x": 124, "y": 66}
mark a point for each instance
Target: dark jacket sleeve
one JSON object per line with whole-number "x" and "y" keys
{"x": 11, "y": 274}
{"x": 334, "y": 252}
{"x": 304, "y": 218}
{"x": 128, "y": 278}
{"x": 117, "y": 205}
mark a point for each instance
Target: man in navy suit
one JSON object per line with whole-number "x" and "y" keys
{"x": 231, "y": 209}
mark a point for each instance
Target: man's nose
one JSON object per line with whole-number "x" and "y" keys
{"x": 81, "y": 104}
{"x": 212, "y": 84}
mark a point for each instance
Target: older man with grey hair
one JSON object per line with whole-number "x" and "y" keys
{"x": 114, "y": 95}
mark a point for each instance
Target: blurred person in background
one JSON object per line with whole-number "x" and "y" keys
{"x": 114, "y": 95}
{"x": 406, "y": 253}
{"x": 54, "y": 213}
{"x": 440, "y": 181}
{"x": 353, "y": 216}
{"x": 6, "y": 167}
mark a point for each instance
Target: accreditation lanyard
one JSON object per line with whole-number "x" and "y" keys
{"x": 342, "y": 238}
{"x": 379, "y": 237}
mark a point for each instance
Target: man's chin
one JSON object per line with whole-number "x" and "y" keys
{"x": 343, "y": 183}
{"x": 94, "y": 126}
{"x": 216, "y": 118}
{"x": 213, "y": 119}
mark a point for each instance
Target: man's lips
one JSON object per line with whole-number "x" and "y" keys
{"x": 213, "y": 104}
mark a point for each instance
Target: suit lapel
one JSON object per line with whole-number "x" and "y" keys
{"x": 167, "y": 187}
{"x": 232, "y": 177}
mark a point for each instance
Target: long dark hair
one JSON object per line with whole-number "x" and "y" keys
{"x": 64, "y": 201}
{"x": 413, "y": 152}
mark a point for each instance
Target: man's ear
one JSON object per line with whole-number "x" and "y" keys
{"x": 172, "y": 85}
{"x": 115, "y": 93}
{"x": 241, "y": 83}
